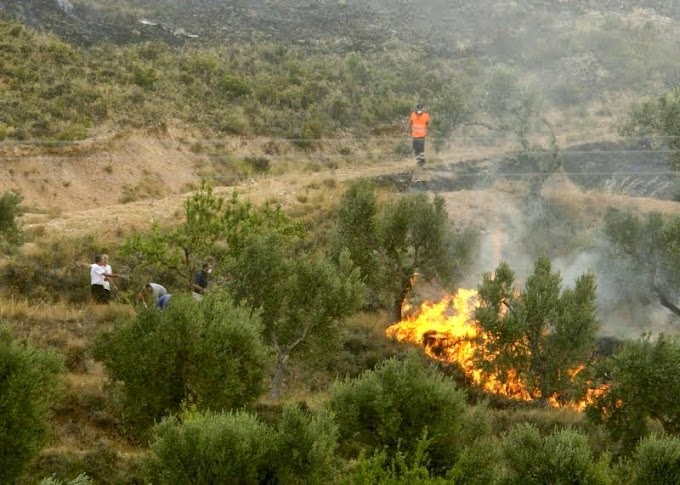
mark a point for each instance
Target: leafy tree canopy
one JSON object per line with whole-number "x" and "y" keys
{"x": 539, "y": 333}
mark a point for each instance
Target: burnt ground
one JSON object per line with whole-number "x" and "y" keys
{"x": 632, "y": 168}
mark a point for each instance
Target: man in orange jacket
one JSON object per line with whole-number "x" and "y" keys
{"x": 418, "y": 123}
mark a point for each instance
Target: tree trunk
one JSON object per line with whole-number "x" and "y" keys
{"x": 406, "y": 287}
{"x": 665, "y": 301}
{"x": 279, "y": 373}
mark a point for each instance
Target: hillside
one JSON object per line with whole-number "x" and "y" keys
{"x": 112, "y": 113}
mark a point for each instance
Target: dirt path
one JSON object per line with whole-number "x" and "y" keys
{"x": 81, "y": 186}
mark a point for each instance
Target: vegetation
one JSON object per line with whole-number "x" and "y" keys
{"x": 561, "y": 457}
{"x": 237, "y": 447}
{"x": 302, "y": 295}
{"x": 540, "y": 334}
{"x": 10, "y": 227}
{"x": 642, "y": 381}
{"x": 373, "y": 413}
{"x": 59, "y": 91}
{"x": 402, "y": 240}
{"x": 29, "y": 388}
{"x": 650, "y": 246}
{"x": 660, "y": 119}
{"x": 210, "y": 355}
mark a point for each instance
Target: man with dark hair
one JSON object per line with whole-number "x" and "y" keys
{"x": 201, "y": 281}
{"x": 418, "y": 123}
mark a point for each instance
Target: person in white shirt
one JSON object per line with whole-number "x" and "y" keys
{"x": 153, "y": 292}
{"x": 100, "y": 274}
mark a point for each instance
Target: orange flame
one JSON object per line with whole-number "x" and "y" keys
{"x": 448, "y": 333}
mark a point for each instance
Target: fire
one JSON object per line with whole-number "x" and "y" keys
{"x": 448, "y": 333}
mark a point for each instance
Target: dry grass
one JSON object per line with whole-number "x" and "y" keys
{"x": 545, "y": 419}
{"x": 590, "y": 207}
{"x": 43, "y": 312}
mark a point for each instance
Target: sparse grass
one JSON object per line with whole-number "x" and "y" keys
{"x": 545, "y": 419}
{"x": 24, "y": 310}
{"x": 149, "y": 187}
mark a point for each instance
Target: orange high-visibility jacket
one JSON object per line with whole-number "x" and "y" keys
{"x": 419, "y": 124}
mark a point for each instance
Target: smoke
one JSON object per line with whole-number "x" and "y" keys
{"x": 65, "y": 5}
{"x": 626, "y": 306}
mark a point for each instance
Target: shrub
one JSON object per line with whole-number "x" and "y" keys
{"x": 392, "y": 406}
{"x": 656, "y": 460}
{"x": 561, "y": 457}
{"x": 209, "y": 353}
{"x": 237, "y": 447}
{"x": 10, "y": 230}
{"x": 477, "y": 464}
{"x": 305, "y": 447}
{"x": 29, "y": 386}
{"x": 211, "y": 448}
{"x": 644, "y": 378}
{"x": 399, "y": 469}
{"x": 234, "y": 87}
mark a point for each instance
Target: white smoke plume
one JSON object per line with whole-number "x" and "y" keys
{"x": 65, "y": 5}
{"x": 626, "y": 307}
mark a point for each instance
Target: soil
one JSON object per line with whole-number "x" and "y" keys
{"x": 77, "y": 188}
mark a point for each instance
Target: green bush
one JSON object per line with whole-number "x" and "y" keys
{"x": 237, "y": 447}
{"x": 210, "y": 353}
{"x": 10, "y": 228}
{"x": 392, "y": 406}
{"x": 29, "y": 386}
{"x": 560, "y": 458}
{"x": 400, "y": 469}
{"x": 644, "y": 378}
{"x": 656, "y": 461}
{"x": 211, "y": 448}
{"x": 305, "y": 447}
{"x": 478, "y": 464}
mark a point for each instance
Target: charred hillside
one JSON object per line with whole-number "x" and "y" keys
{"x": 435, "y": 27}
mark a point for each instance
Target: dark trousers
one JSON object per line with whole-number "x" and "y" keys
{"x": 419, "y": 148}
{"x": 100, "y": 294}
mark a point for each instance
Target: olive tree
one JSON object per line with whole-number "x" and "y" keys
{"x": 10, "y": 211}
{"x": 643, "y": 378}
{"x": 651, "y": 246}
{"x": 303, "y": 298}
{"x": 237, "y": 447}
{"x": 209, "y": 353}
{"x": 564, "y": 456}
{"x": 538, "y": 333}
{"x": 658, "y": 118}
{"x": 29, "y": 387}
{"x": 394, "y": 241}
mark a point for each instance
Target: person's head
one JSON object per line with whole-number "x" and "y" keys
{"x": 207, "y": 267}
{"x": 144, "y": 292}
{"x": 419, "y": 108}
{"x": 105, "y": 258}
{"x": 101, "y": 259}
